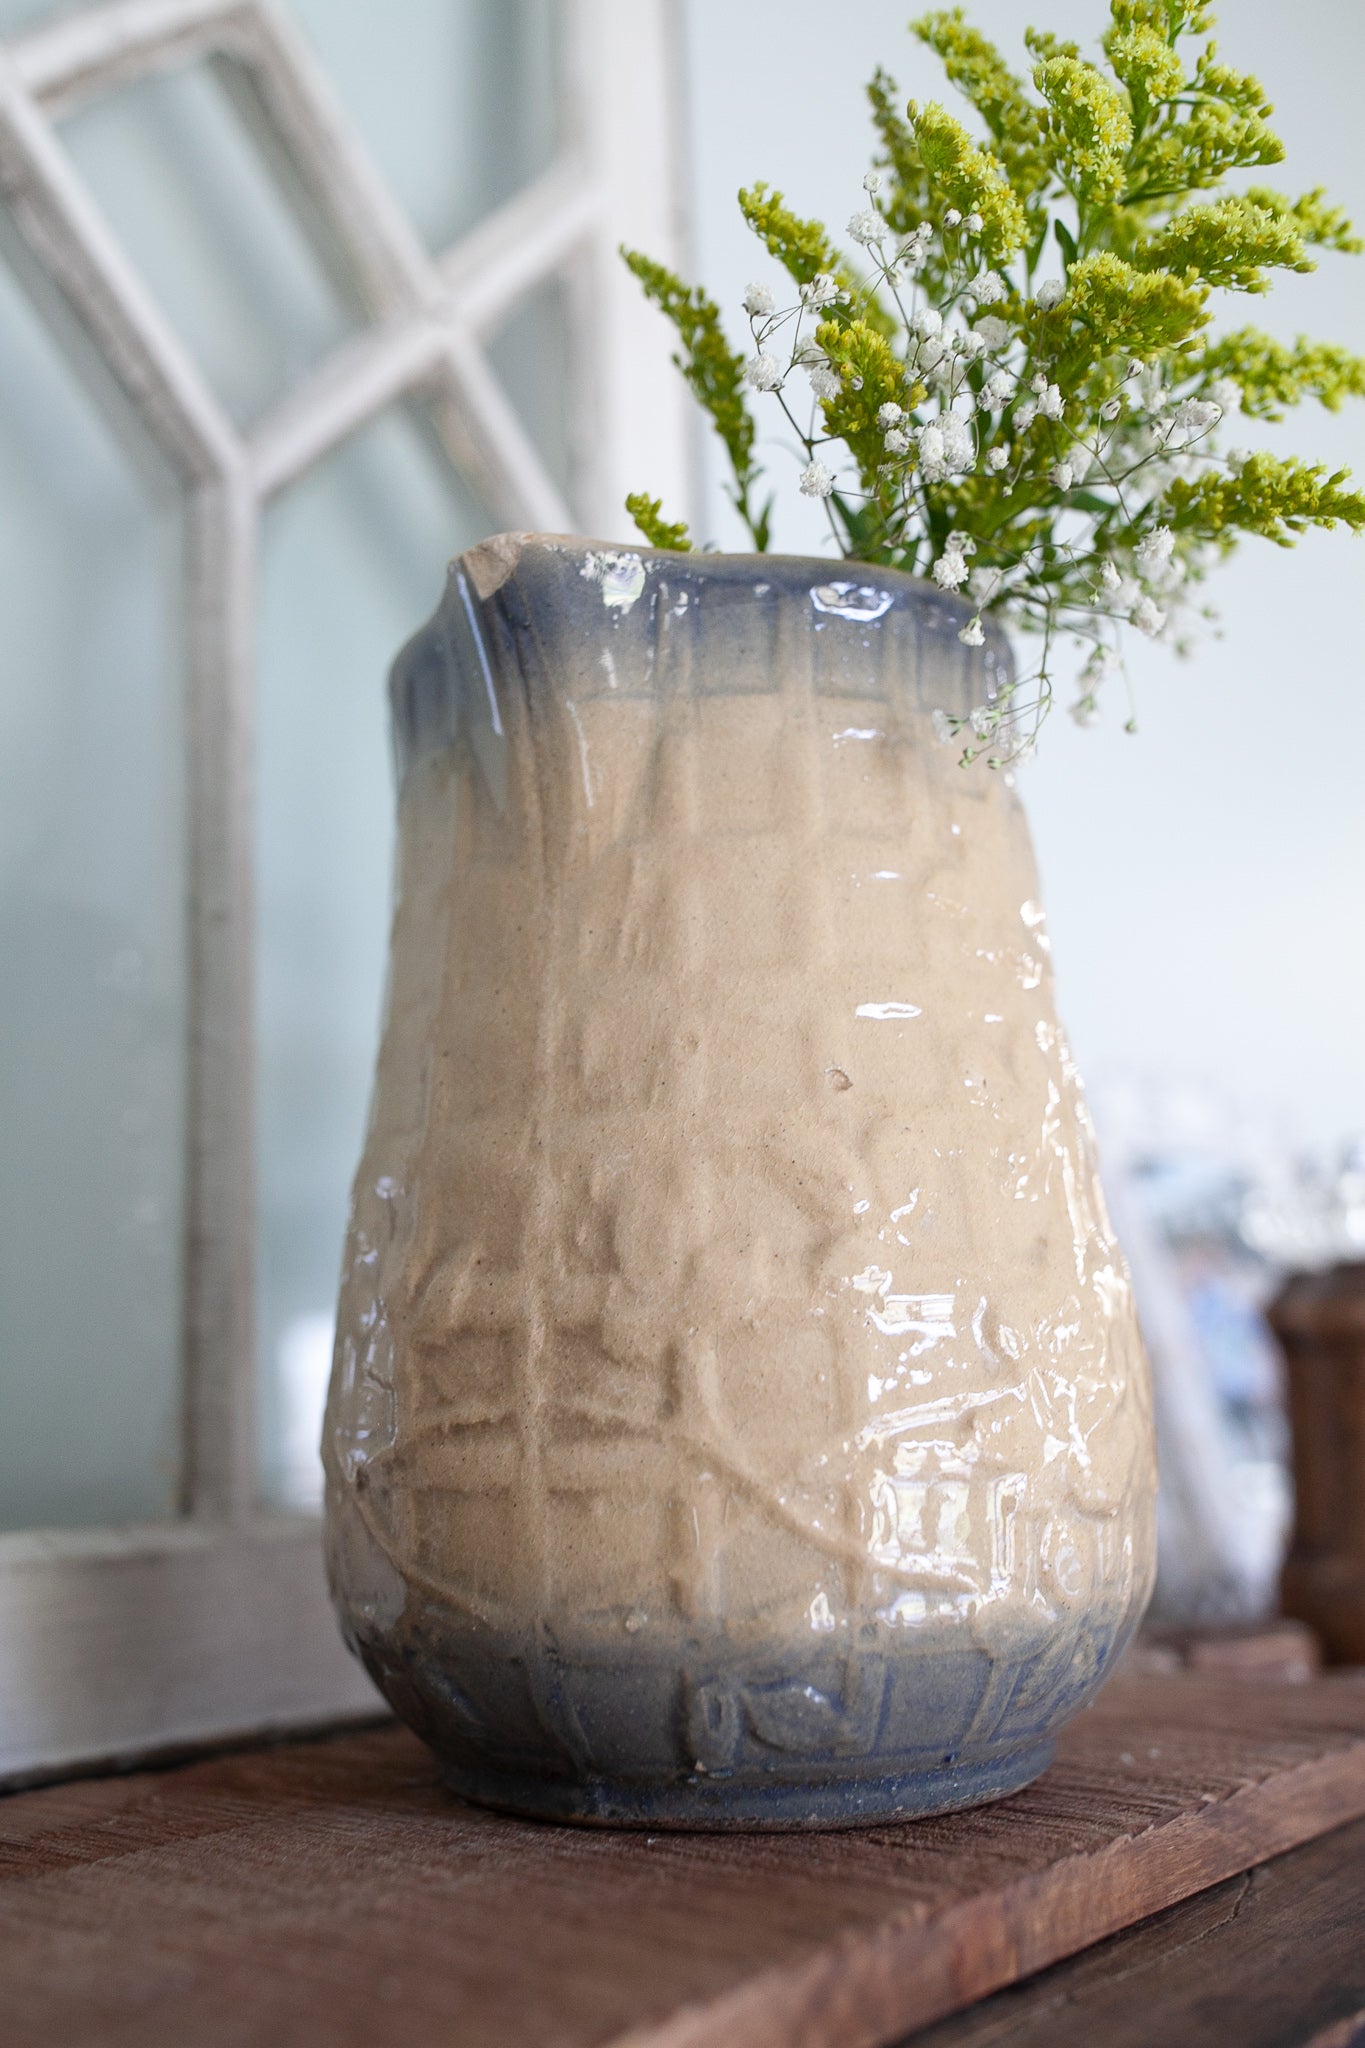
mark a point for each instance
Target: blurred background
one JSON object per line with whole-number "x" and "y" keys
{"x": 1204, "y": 878}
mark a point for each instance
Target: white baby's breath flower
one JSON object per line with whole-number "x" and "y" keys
{"x": 1147, "y": 617}
{"x": 1025, "y": 414}
{"x": 872, "y": 181}
{"x": 959, "y": 452}
{"x": 930, "y": 353}
{"x": 998, "y": 388}
{"x": 1152, "y": 388}
{"x": 822, "y": 290}
{"x": 758, "y": 301}
{"x": 993, "y": 331}
{"x": 1237, "y": 459}
{"x": 816, "y": 480}
{"x": 973, "y": 223}
{"x": 952, "y": 218}
{"x": 1111, "y": 408}
{"x": 986, "y": 584}
{"x": 866, "y": 227}
{"x": 1196, "y": 416}
{"x": 1050, "y": 402}
{"x": 946, "y": 448}
{"x": 945, "y": 728}
{"x": 988, "y": 288}
{"x": 1109, "y": 576}
{"x": 763, "y": 372}
{"x": 931, "y": 452}
{"x": 1050, "y": 293}
{"x": 1226, "y": 394}
{"x": 1099, "y": 663}
{"x": 927, "y": 323}
{"x": 960, "y": 542}
{"x": 1062, "y": 475}
{"x": 997, "y": 459}
{"x": 972, "y": 634}
{"x": 1153, "y": 552}
{"x": 1085, "y": 710}
{"x": 1136, "y": 366}
{"x": 913, "y": 251}
{"x": 890, "y": 414}
{"x": 950, "y": 570}
{"x": 896, "y": 441}
{"x": 825, "y": 380}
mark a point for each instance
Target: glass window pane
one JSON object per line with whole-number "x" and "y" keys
{"x": 530, "y": 354}
{"x": 455, "y": 98}
{"x": 17, "y": 16}
{"x": 92, "y": 956}
{"x": 188, "y": 192}
{"x": 354, "y": 559}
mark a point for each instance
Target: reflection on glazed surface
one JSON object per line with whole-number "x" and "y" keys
{"x": 737, "y": 1379}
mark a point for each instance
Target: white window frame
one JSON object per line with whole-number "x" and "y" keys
{"x": 120, "y": 1643}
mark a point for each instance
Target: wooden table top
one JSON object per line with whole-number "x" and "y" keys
{"x": 328, "y": 1893}
{"x": 1273, "y": 1958}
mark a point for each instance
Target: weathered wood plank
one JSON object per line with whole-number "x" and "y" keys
{"x": 332, "y": 1893}
{"x": 1273, "y": 1958}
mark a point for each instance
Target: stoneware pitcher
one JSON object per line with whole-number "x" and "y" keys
{"x": 739, "y": 1417}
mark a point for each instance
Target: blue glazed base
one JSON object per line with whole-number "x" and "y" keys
{"x": 708, "y": 1738}
{"x": 714, "y": 1805}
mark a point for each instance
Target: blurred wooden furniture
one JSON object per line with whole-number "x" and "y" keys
{"x": 1276, "y": 1649}
{"x": 1319, "y": 1319}
{"x": 330, "y": 1893}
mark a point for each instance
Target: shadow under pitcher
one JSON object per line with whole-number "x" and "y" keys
{"x": 739, "y": 1417}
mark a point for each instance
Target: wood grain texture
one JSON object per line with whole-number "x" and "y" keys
{"x": 330, "y": 1893}
{"x": 1273, "y": 1958}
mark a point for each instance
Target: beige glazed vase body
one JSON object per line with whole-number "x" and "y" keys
{"x": 739, "y": 1416}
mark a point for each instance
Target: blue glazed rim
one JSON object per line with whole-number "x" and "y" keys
{"x": 444, "y": 680}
